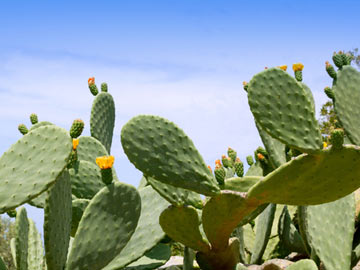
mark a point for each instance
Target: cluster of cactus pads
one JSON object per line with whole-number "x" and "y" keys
{"x": 298, "y": 199}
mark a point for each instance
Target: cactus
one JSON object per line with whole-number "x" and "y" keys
{"x": 76, "y": 128}
{"x": 34, "y": 118}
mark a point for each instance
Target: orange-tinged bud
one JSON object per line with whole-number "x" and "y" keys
{"x": 91, "y": 81}
{"x": 105, "y": 162}
{"x": 298, "y": 67}
{"x": 75, "y": 143}
{"x": 218, "y": 162}
{"x": 283, "y": 67}
{"x": 210, "y": 168}
{"x": 260, "y": 156}
{"x": 244, "y": 83}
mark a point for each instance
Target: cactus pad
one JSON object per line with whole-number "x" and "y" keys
{"x": 78, "y": 208}
{"x": 161, "y": 150}
{"x": 255, "y": 170}
{"x": 105, "y": 228}
{"x": 148, "y": 232}
{"x": 332, "y": 243}
{"x": 57, "y": 222}
{"x": 85, "y": 179}
{"x": 102, "y": 119}
{"x": 347, "y": 96}
{"x": 32, "y": 164}
{"x": 35, "y": 248}
{"x": 188, "y": 233}
{"x": 282, "y": 107}
{"x": 220, "y": 216}
{"x": 241, "y": 184}
{"x": 40, "y": 124}
{"x": 304, "y": 264}
{"x": 22, "y": 238}
{"x": 330, "y": 174}
{"x": 175, "y": 195}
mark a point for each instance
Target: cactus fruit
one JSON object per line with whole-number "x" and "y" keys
{"x": 330, "y": 70}
{"x": 34, "y": 118}
{"x": 232, "y": 154}
{"x": 329, "y": 92}
{"x": 23, "y": 129}
{"x": 249, "y": 160}
{"x": 338, "y": 59}
{"x": 298, "y": 71}
{"x": 226, "y": 162}
{"x": 105, "y": 163}
{"x": 77, "y": 128}
{"x": 245, "y": 86}
{"x": 337, "y": 138}
{"x": 219, "y": 172}
{"x": 239, "y": 167}
{"x": 104, "y": 87}
{"x": 92, "y": 86}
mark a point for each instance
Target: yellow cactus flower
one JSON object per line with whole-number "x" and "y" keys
{"x": 91, "y": 81}
{"x": 260, "y": 156}
{"x": 75, "y": 143}
{"x": 325, "y": 144}
{"x": 283, "y": 67}
{"x": 217, "y": 162}
{"x": 105, "y": 162}
{"x": 298, "y": 67}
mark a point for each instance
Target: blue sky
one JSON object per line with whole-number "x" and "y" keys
{"x": 183, "y": 60}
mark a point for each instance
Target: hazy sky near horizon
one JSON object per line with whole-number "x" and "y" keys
{"x": 183, "y": 60}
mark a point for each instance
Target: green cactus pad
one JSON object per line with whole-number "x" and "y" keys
{"x": 221, "y": 215}
{"x": 143, "y": 183}
{"x": 78, "y": 208}
{"x": 305, "y": 264}
{"x": 335, "y": 251}
{"x": 40, "y": 124}
{"x": 274, "y": 148}
{"x": 152, "y": 259}
{"x": 102, "y": 119}
{"x": 57, "y": 222}
{"x": 22, "y": 239}
{"x": 175, "y": 195}
{"x": 105, "y": 228}
{"x": 182, "y": 225}
{"x": 284, "y": 110}
{"x": 161, "y": 150}
{"x": 288, "y": 233}
{"x": 241, "y": 184}
{"x": 32, "y": 164}
{"x": 39, "y": 201}
{"x": 263, "y": 230}
{"x": 85, "y": 179}
{"x": 330, "y": 174}
{"x": 255, "y": 170}
{"x": 148, "y": 232}
{"x": 35, "y": 248}
{"x": 347, "y": 96}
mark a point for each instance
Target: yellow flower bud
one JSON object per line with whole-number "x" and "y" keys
{"x": 91, "y": 81}
{"x": 283, "y": 67}
{"x": 298, "y": 67}
{"x": 75, "y": 143}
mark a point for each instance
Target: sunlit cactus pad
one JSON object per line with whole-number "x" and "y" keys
{"x": 311, "y": 179}
{"x": 347, "y": 97}
{"x": 32, "y": 164}
{"x": 161, "y": 150}
{"x": 281, "y": 106}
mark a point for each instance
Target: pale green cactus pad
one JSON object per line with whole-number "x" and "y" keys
{"x": 35, "y": 248}
{"x": 39, "y": 201}
{"x": 106, "y": 227}
{"x": 13, "y": 249}
{"x": 175, "y": 195}
{"x": 255, "y": 170}
{"x": 241, "y": 184}
{"x": 161, "y": 150}
{"x": 221, "y": 215}
{"x": 263, "y": 226}
{"x": 32, "y": 164}
{"x": 274, "y": 147}
{"x": 148, "y": 232}
{"x": 330, "y": 174}
{"x": 152, "y": 259}
{"x": 85, "y": 179}
{"x": 102, "y": 119}
{"x": 347, "y": 96}
{"x": 305, "y": 264}
{"x": 332, "y": 243}
{"x": 40, "y": 124}
{"x": 57, "y": 222}
{"x": 22, "y": 239}
{"x": 282, "y": 107}
{"x": 188, "y": 233}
